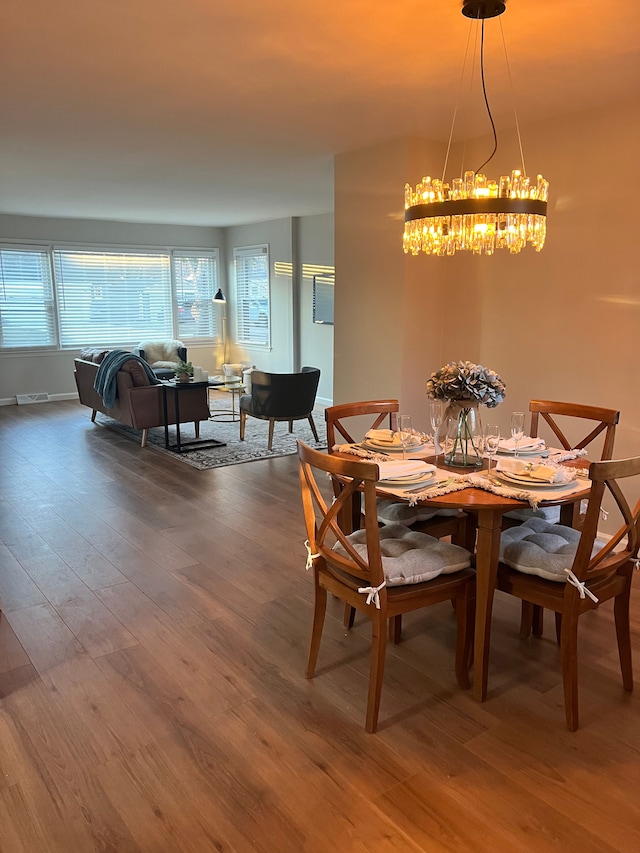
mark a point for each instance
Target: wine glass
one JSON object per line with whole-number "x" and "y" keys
{"x": 492, "y": 441}
{"x": 517, "y": 429}
{"x": 436, "y": 412}
{"x": 404, "y": 431}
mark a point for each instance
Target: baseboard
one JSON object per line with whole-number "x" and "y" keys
{"x": 12, "y": 401}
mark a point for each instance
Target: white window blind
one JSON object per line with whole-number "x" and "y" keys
{"x": 27, "y": 317}
{"x": 112, "y": 298}
{"x": 252, "y": 295}
{"x": 196, "y": 280}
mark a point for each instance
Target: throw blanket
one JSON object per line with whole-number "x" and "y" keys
{"x": 105, "y": 381}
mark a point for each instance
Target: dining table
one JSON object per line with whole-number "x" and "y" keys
{"x": 478, "y": 493}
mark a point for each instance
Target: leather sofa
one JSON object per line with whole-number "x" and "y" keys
{"x": 138, "y": 404}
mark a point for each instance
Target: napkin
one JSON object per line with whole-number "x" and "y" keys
{"x": 393, "y": 469}
{"x": 543, "y": 473}
{"x": 383, "y": 436}
{"x": 508, "y": 445}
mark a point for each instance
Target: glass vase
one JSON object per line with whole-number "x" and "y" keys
{"x": 464, "y": 435}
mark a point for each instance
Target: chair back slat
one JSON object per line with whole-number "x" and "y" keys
{"x": 336, "y": 415}
{"x": 607, "y": 421}
{"x": 605, "y": 476}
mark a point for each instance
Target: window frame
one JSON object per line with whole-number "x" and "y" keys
{"x": 261, "y": 251}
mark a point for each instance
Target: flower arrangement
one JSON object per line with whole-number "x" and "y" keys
{"x": 464, "y": 380}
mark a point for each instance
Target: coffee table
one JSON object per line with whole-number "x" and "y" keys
{"x": 232, "y": 415}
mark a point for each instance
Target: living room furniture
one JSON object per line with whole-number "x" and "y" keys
{"x": 281, "y": 397}
{"x": 184, "y": 391}
{"x": 382, "y": 572}
{"x": 163, "y": 356}
{"x": 138, "y": 404}
{"x": 229, "y": 416}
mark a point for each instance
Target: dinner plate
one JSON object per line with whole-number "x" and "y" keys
{"x": 409, "y": 480}
{"x": 390, "y": 448}
{"x": 522, "y": 480}
{"x": 542, "y": 452}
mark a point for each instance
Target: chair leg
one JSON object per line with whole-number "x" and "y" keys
{"x": 349, "y": 616}
{"x": 272, "y": 423}
{"x": 395, "y": 628}
{"x": 319, "y": 609}
{"x": 313, "y": 429}
{"x": 93, "y": 415}
{"x": 196, "y": 427}
{"x": 537, "y": 624}
{"x": 243, "y": 424}
{"x": 465, "y": 623}
{"x": 558, "y": 627}
{"x": 569, "y": 657}
{"x": 623, "y": 634}
{"x": 376, "y": 673}
{"x": 290, "y": 426}
{"x": 145, "y": 436}
{"x": 526, "y": 619}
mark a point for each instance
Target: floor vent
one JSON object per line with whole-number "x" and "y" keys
{"x": 32, "y": 398}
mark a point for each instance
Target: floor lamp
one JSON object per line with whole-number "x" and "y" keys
{"x": 219, "y": 298}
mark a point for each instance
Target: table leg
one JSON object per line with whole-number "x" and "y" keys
{"x": 487, "y": 552}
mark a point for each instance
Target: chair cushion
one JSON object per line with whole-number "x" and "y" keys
{"x": 546, "y": 513}
{"x": 399, "y": 512}
{"x": 137, "y": 371}
{"x": 94, "y": 354}
{"x": 411, "y": 557}
{"x": 539, "y": 548}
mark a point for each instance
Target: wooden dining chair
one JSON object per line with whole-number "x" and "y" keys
{"x": 382, "y": 572}
{"x": 342, "y": 420}
{"x": 600, "y": 422}
{"x": 570, "y": 572}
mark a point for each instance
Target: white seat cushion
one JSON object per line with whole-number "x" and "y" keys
{"x": 158, "y": 353}
{"x": 539, "y": 548}
{"x": 411, "y": 557}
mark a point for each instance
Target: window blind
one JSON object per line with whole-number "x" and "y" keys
{"x": 196, "y": 281}
{"x": 27, "y": 316}
{"x": 252, "y": 295}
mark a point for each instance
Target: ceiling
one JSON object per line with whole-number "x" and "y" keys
{"x": 203, "y": 112}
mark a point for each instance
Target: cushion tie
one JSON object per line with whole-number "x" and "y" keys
{"x": 310, "y": 557}
{"x": 580, "y": 586}
{"x": 372, "y": 593}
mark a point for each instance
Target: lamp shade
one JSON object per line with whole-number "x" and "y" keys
{"x": 219, "y": 297}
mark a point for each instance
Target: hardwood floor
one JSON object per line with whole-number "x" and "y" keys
{"x": 152, "y": 697}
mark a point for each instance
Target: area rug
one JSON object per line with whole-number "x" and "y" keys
{"x": 252, "y": 448}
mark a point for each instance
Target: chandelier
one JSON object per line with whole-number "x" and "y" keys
{"x": 475, "y": 213}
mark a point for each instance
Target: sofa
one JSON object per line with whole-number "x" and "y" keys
{"x": 138, "y": 403}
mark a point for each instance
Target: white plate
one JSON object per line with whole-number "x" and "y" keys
{"x": 409, "y": 480}
{"x": 521, "y": 480}
{"x": 390, "y": 448}
{"x": 542, "y": 452}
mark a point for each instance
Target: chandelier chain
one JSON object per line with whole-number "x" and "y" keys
{"x": 486, "y": 102}
{"x": 513, "y": 99}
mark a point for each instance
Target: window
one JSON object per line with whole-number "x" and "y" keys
{"x": 27, "y": 316}
{"x": 252, "y": 295}
{"x": 70, "y": 298}
{"x": 196, "y": 278}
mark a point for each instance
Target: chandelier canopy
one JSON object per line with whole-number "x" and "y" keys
{"x": 475, "y": 213}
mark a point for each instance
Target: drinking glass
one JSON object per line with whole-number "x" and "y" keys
{"x": 436, "y": 411}
{"x": 403, "y": 423}
{"x": 517, "y": 429}
{"x": 491, "y": 441}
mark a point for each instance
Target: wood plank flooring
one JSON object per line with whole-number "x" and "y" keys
{"x": 152, "y": 698}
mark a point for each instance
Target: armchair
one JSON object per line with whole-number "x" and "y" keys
{"x": 280, "y": 397}
{"x": 162, "y": 356}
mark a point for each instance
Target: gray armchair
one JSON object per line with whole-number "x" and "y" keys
{"x": 280, "y": 397}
